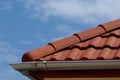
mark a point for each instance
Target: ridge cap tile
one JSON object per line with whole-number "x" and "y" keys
{"x": 64, "y": 43}
{"x": 111, "y": 25}
{"x": 90, "y": 33}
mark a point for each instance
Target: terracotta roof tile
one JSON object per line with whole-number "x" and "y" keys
{"x": 57, "y": 56}
{"x": 100, "y": 43}
{"x": 117, "y": 55}
{"x": 90, "y": 33}
{"x": 37, "y": 53}
{"x": 114, "y": 33}
{"x": 60, "y": 44}
{"x": 105, "y": 54}
{"x": 111, "y": 25}
{"x": 110, "y": 42}
{"x": 74, "y": 54}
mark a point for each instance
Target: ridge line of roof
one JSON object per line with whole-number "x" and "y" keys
{"x": 111, "y": 25}
{"x": 71, "y": 40}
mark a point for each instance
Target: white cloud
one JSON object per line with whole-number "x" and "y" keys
{"x": 76, "y": 10}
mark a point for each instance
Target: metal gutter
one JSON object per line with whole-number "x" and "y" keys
{"x": 29, "y": 66}
{"x": 83, "y": 65}
{"x": 66, "y": 65}
{"x": 25, "y": 67}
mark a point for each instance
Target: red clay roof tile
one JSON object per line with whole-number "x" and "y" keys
{"x": 114, "y": 33}
{"x": 74, "y": 54}
{"x": 60, "y": 44}
{"x": 90, "y": 33}
{"x": 88, "y": 53}
{"x": 37, "y": 53}
{"x": 117, "y": 55}
{"x": 94, "y": 42}
{"x": 111, "y": 25}
{"x": 104, "y": 54}
{"x": 57, "y": 56}
{"x": 110, "y": 42}
{"x": 100, "y": 43}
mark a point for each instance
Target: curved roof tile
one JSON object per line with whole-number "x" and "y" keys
{"x": 101, "y": 43}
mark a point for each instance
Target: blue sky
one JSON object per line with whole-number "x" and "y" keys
{"x": 29, "y": 24}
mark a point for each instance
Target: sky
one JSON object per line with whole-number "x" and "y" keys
{"x": 29, "y": 24}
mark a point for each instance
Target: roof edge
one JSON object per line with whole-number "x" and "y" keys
{"x": 26, "y": 67}
{"x": 67, "y": 65}
{"x": 52, "y": 47}
{"x": 111, "y": 25}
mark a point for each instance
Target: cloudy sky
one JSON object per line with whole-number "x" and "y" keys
{"x": 29, "y": 24}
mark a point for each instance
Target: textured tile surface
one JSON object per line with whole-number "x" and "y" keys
{"x": 102, "y": 47}
{"x": 100, "y": 43}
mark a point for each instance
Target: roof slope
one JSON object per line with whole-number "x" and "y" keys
{"x": 99, "y": 43}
